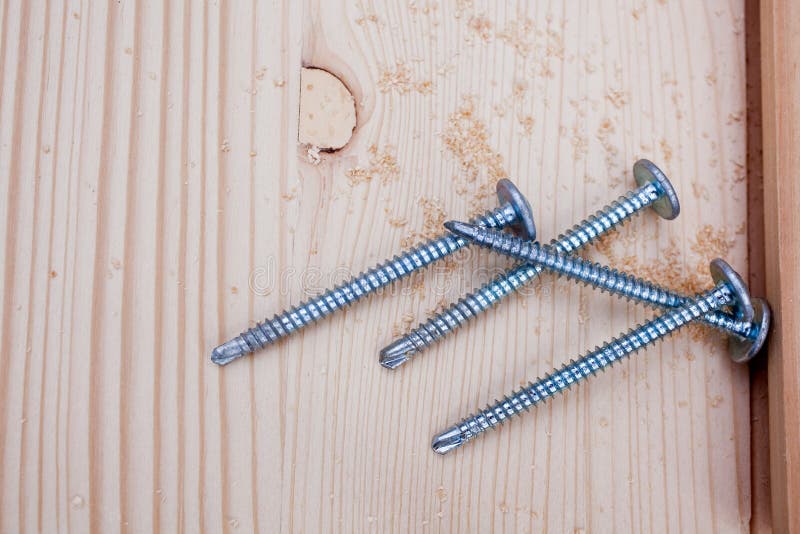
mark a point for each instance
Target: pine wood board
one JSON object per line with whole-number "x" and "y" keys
{"x": 780, "y": 89}
{"x": 156, "y": 203}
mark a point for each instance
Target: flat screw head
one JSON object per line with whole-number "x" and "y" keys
{"x": 507, "y": 192}
{"x": 721, "y": 272}
{"x": 645, "y": 171}
{"x": 744, "y": 350}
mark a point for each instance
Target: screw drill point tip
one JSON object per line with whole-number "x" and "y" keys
{"x": 511, "y": 212}
{"x": 601, "y": 358}
{"x": 227, "y": 352}
{"x": 473, "y": 304}
{"x": 396, "y": 354}
{"x": 464, "y": 230}
{"x": 448, "y": 440}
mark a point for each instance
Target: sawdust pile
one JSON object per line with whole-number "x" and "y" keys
{"x": 401, "y": 80}
{"x": 466, "y": 139}
{"x": 686, "y": 274}
{"x": 382, "y": 165}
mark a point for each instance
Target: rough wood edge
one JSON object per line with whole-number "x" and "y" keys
{"x": 780, "y": 86}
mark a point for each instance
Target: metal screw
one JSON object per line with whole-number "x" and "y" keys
{"x": 514, "y": 211}
{"x": 750, "y": 336}
{"x": 654, "y": 191}
{"x": 727, "y": 291}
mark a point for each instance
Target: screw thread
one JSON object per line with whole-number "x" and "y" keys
{"x": 730, "y": 324}
{"x": 599, "y": 359}
{"x": 345, "y": 294}
{"x": 599, "y": 276}
{"x": 473, "y": 304}
{"x": 595, "y": 274}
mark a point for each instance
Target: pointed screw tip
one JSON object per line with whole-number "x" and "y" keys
{"x": 462, "y": 229}
{"x": 226, "y": 353}
{"x": 396, "y": 354}
{"x": 447, "y": 441}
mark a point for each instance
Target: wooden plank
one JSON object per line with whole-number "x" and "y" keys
{"x": 780, "y": 47}
{"x": 156, "y": 202}
{"x": 761, "y": 518}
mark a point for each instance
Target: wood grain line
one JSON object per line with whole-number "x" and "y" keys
{"x": 221, "y": 263}
{"x": 46, "y": 356}
{"x": 201, "y": 381}
{"x": 129, "y": 277}
{"x": 181, "y": 352}
{"x": 32, "y": 288}
{"x": 254, "y": 474}
{"x": 12, "y": 229}
{"x": 160, "y": 286}
{"x": 71, "y": 238}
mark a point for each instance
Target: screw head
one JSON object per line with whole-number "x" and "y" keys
{"x": 722, "y": 272}
{"x": 507, "y": 192}
{"x": 645, "y": 171}
{"x": 744, "y": 350}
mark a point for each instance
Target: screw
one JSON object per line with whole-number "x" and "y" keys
{"x": 728, "y": 290}
{"x": 514, "y": 211}
{"x": 654, "y": 191}
{"x": 750, "y": 336}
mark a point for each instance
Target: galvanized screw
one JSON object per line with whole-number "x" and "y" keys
{"x": 514, "y": 211}
{"x": 727, "y": 291}
{"x": 654, "y": 190}
{"x": 751, "y": 336}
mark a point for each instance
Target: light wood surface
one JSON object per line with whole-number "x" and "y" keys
{"x": 155, "y": 202}
{"x": 780, "y": 47}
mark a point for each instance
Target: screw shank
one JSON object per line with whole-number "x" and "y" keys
{"x": 353, "y": 290}
{"x": 586, "y": 366}
{"x": 485, "y": 297}
{"x": 594, "y": 274}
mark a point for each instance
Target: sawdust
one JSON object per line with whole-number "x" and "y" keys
{"x": 433, "y": 217}
{"x": 666, "y": 150}
{"x": 402, "y": 80}
{"x": 618, "y": 98}
{"x": 686, "y": 274}
{"x": 481, "y": 27}
{"x": 526, "y": 122}
{"x": 397, "y": 222}
{"x": 461, "y": 7}
{"x": 367, "y": 16}
{"x": 606, "y": 135}
{"x": 357, "y": 175}
{"x": 403, "y": 327}
{"x": 517, "y": 34}
{"x": 382, "y": 165}
{"x": 441, "y": 305}
{"x": 466, "y": 138}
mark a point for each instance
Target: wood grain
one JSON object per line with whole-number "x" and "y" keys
{"x": 780, "y": 48}
{"x": 761, "y": 509}
{"x": 156, "y": 203}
